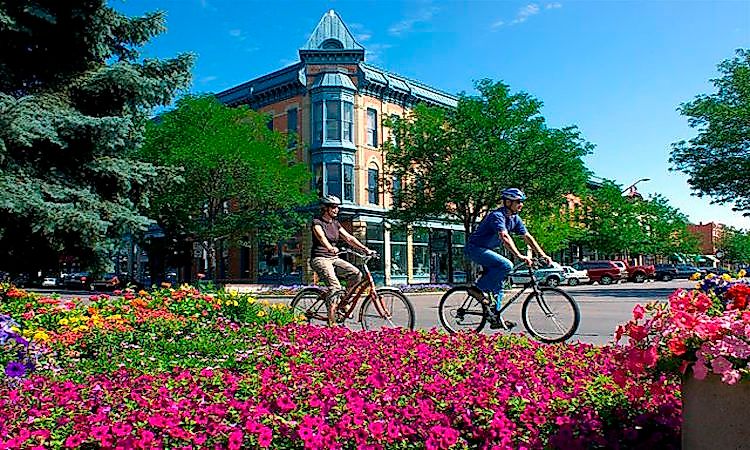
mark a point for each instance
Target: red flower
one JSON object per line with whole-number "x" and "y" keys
{"x": 676, "y": 346}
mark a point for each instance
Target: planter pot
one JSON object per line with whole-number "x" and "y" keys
{"x": 715, "y": 415}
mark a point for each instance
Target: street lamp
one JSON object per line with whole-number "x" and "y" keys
{"x": 633, "y": 185}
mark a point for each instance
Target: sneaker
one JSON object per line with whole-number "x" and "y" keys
{"x": 497, "y": 323}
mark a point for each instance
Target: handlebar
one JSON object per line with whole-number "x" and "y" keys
{"x": 537, "y": 263}
{"x": 361, "y": 255}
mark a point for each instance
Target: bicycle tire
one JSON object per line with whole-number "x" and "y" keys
{"x": 456, "y": 305}
{"x": 309, "y": 304}
{"x": 403, "y": 317}
{"x": 559, "y": 305}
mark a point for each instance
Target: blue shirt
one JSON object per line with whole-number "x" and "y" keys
{"x": 487, "y": 234}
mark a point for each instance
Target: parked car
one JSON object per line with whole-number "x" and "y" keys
{"x": 685, "y": 271}
{"x": 77, "y": 280}
{"x": 665, "y": 272}
{"x": 551, "y": 275}
{"x": 574, "y": 277}
{"x": 49, "y": 282}
{"x": 602, "y": 272}
{"x": 108, "y": 282}
{"x": 714, "y": 270}
{"x": 638, "y": 274}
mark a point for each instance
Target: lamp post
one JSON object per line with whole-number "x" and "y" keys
{"x": 633, "y": 185}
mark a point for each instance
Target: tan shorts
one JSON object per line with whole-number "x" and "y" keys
{"x": 330, "y": 268}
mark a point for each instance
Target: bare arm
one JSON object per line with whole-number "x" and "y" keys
{"x": 320, "y": 234}
{"x": 351, "y": 240}
{"x": 535, "y": 246}
{"x": 510, "y": 245}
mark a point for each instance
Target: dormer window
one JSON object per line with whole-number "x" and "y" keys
{"x": 332, "y": 44}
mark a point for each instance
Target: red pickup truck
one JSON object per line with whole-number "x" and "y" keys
{"x": 638, "y": 274}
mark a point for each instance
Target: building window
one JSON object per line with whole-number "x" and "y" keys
{"x": 318, "y": 179}
{"x": 333, "y": 179}
{"x": 372, "y": 127}
{"x": 421, "y": 255}
{"x": 458, "y": 241}
{"x": 348, "y": 123}
{"x": 348, "y": 182}
{"x": 318, "y": 122}
{"x": 291, "y": 127}
{"x": 269, "y": 124}
{"x": 395, "y": 190}
{"x": 398, "y": 254}
{"x": 373, "y": 195}
{"x": 333, "y": 120}
{"x": 374, "y": 241}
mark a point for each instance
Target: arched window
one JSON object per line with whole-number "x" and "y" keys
{"x": 373, "y": 177}
{"x": 332, "y": 44}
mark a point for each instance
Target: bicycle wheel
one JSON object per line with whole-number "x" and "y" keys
{"x": 311, "y": 305}
{"x": 387, "y": 309}
{"x": 336, "y": 316}
{"x": 459, "y": 311}
{"x": 550, "y": 315}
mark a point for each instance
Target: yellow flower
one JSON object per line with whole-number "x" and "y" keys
{"x": 726, "y": 277}
{"x": 741, "y": 273}
{"x": 142, "y": 293}
{"x": 234, "y": 303}
{"x": 250, "y": 300}
{"x": 63, "y": 321}
{"x": 15, "y": 329}
{"x": 709, "y": 276}
{"x": 695, "y": 276}
{"x": 41, "y": 336}
{"x": 261, "y": 313}
{"x": 265, "y": 302}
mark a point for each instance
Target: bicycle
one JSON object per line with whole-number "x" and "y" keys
{"x": 549, "y": 314}
{"x": 384, "y": 307}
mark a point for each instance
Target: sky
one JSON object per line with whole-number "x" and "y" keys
{"x": 618, "y": 70}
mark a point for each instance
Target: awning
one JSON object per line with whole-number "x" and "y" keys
{"x": 712, "y": 258}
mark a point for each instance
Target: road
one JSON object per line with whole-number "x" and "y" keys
{"x": 602, "y": 307}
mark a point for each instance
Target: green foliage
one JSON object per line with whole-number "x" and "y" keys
{"x": 716, "y": 160}
{"x": 74, "y": 97}
{"x": 240, "y": 183}
{"x": 455, "y": 163}
{"x": 735, "y": 244}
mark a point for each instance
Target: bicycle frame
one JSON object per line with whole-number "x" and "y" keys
{"x": 359, "y": 289}
{"x": 533, "y": 283}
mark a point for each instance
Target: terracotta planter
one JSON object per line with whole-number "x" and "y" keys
{"x": 715, "y": 415}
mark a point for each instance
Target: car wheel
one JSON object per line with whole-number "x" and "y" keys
{"x": 572, "y": 281}
{"x": 605, "y": 280}
{"x": 552, "y": 282}
{"x": 666, "y": 277}
{"x": 639, "y": 278}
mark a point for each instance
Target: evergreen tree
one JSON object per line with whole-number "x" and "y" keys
{"x": 74, "y": 99}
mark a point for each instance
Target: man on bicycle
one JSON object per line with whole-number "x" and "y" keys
{"x": 324, "y": 258}
{"x": 494, "y": 230}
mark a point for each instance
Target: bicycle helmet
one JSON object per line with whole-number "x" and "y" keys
{"x": 330, "y": 200}
{"x": 514, "y": 194}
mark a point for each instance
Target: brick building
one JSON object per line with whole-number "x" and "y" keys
{"x": 709, "y": 235}
{"x": 335, "y": 103}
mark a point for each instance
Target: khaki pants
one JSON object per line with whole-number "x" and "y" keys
{"x": 328, "y": 268}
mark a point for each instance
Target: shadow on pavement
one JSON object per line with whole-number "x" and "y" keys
{"x": 658, "y": 293}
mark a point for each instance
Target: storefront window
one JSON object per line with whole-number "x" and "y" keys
{"x": 374, "y": 241}
{"x": 459, "y": 270}
{"x": 280, "y": 263}
{"x": 398, "y": 255}
{"x": 421, "y": 256}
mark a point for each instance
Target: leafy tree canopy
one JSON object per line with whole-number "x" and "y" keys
{"x": 240, "y": 181}
{"x": 735, "y": 244}
{"x": 455, "y": 163}
{"x": 74, "y": 97}
{"x": 717, "y": 160}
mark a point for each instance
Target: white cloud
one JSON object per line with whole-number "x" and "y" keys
{"x": 208, "y": 79}
{"x": 407, "y": 25}
{"x": 524, "y": 13}
{"x": 238, "y": 34}
{"x": 362, "y": 37}
{"x": 375, "y": 51}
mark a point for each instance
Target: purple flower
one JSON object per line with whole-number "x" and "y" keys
{"x": 15, "y": 369}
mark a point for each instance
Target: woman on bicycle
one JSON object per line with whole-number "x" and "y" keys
{"x": 494, "y": 230}
{"x": 324, "y": 258}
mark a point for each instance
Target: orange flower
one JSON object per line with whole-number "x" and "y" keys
{"x": 676, "y": 346}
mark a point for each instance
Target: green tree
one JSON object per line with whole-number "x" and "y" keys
{"x": 455, "y": 163}
{"x": 735, "y": 244}
{"x": 74, "y": 97}
{"x": 665, "y": 228}
{"x": 240, "y": 182}
{"x": 611, "y": 221}
{"x": 717, "y": 160}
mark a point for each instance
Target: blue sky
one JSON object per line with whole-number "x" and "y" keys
{"x": 617, "y": 70}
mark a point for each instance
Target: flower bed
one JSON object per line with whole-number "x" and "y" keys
{"x": 180, "y": 368}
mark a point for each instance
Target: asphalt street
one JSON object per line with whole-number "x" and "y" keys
{"x": 602, "y": 307}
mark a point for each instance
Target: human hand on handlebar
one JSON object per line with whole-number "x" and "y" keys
{"x": 529, "y": 261}
{"x": 546, "y": 259}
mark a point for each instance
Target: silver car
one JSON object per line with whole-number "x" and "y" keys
{"x": 551, "y": 275}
